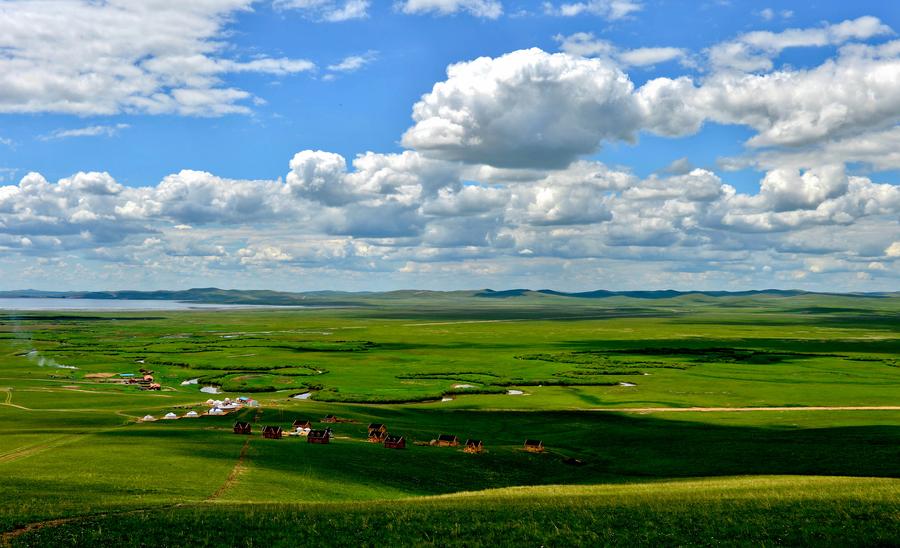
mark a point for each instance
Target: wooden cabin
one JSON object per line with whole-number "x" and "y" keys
{"x": 377, "y": 432}
{"x": 395, "y": 442}
{"x": 534, "y": 446}
{"x": 319, "y": 436}
{"x": 242, "y": 428}
{"x": 302, "y": 423}
{"x": 272, "y": 432}
{"x": 474, "y": 446}
{"x": 447, "y": 440}
{"x": 330, "y": 418}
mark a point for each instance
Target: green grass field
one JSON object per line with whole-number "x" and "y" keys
{"x": 695, "y": 420}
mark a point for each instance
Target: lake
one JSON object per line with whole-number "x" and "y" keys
{"x": 37, "y": 304}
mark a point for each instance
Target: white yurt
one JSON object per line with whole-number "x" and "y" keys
{"x": 216, "y": 411}
{"x": 170, "y": 416}
{"x": 148, "y": 418}
{"x": 191, "y": 415}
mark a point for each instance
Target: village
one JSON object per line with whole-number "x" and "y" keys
{"x": 304, "y": 428}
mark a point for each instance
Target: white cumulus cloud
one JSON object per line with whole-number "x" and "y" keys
{"x": 331, "y": 11}
{"x": 99, "y": 58}
{"x": 522, "y": 109}
{"x": 754, "y": 51}
{"x": 608, "y": 9}
{"x": 489, "y": 9}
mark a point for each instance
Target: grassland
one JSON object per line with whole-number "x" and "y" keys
{"x": 79, "y": 468}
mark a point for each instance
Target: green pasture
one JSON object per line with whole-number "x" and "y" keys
{"x": 759, "y": 511}
{"x": 72, "y": 447}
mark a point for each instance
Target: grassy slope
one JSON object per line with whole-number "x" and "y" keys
{"x": 76, "y": 435}
{"x": 746, "y": 511}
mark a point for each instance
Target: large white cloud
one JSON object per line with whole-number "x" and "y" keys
{"x": 195, "y": 197}
{"x": 160, "y": 56}
{"x": 323, "y": 177}
{"x": 530, "y": 108}
{"x": 526, "y": 108}
{"x": 398, "y": 213}
{"x": 795, "y": 107}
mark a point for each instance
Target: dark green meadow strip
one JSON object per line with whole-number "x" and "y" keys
{"x": 737, "y": 512}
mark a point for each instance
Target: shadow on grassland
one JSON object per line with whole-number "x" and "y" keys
{"x": 800, "y": 318}
{"x": 787, "y": 346}
{"x": 614, "y": 448}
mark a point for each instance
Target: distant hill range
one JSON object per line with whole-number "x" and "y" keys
{"x": 214, "y": 295}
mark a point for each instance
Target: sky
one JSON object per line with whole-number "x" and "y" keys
{"x": 449, "y": 144}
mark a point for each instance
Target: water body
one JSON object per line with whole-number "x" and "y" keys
{"x": 40, "y": 304}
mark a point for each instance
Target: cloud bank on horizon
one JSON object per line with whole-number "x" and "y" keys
{"x": 499, "y": 179}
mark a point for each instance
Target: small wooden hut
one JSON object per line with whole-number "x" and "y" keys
{"x": 395, "y": 442}
{"x": 272, "y": 432}
{"x": 302, "y": 423}
{"x": 330, "y": 419}
{"x": 534, "y": 446}
{"x": 474, "y": 446}
{"x": 377, "y": 432}
{"x": 318, "y": 436}
{"x": 241, "y": 427}
{"x": 447, "y": 440}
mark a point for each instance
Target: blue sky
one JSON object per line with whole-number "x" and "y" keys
{"x": 369, "y": 109}
{"x": 234, "y": 89}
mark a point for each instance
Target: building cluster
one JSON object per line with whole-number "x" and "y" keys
{"x": 375, "y": 433}
{"x": 144, "y": 381}
{"x": 216, "y": 408}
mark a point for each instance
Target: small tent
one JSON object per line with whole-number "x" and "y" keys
{"x": 395, "y": 442}
{"x": 377, "y": 432}
{"x": 148, "y": 418}
{"x": 534, "y": 446}
{"x": 319, "y": 436}
{"x": 447, "y": 440}
{"x": 170, "y": 416}
{"x": 474, "y": 446}
{"x": 272, "y": 432}
{"x": 191, "y": 415}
